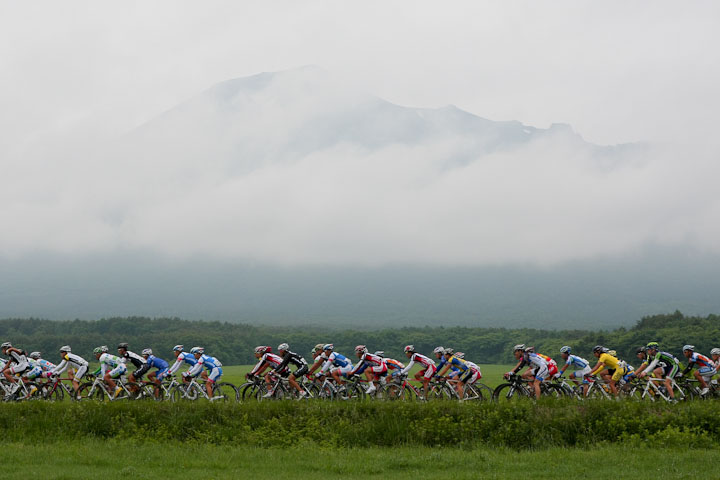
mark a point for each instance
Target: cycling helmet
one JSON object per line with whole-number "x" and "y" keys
{"x": 653, "y": 345}
{"x": 361, "y": 349}
{"x": 178, "y": 348}
{"x": 6, "y": 345}
{"x": 65, "y": 348}
{"x": 449, "y": 351}
{"x": 641, "y": 350}
{"x": 123, "y": 345}
{"x": 715, "y": 351}
{"x": 35, "y": 355}
{"x": 460, "y": 355}
{"x": 410, "y": 349}
{"x": 104, "y": 349}
{"x": 439, "y": 350}
{"x": 197, "y": 350}
{"x": 380, "y": 353}
{"x": 329, "y": 347}
{"x": 98, "y": 350}
{"x": 529, "y": 349}
{"x": 689, "y": 347}
{"x": 147, "y": 351}
{"x": 317, "y": 348}
{"x": 565, "y": 349}
{"x": 284, "y": 347}
{"x": 598, "y": 348}
{"x": 520, "y": 346}
{"x": 612, "y": 353}
{"x": 260, "y": 349}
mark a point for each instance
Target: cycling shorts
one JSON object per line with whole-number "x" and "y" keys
{"x": 541, "y": 373}
{"x": 138, "y": 374}
{"x": 430, "y": 371}
{"x": 342, "y": 370}
{"x": 19, "y": 368}
{"x": 117, "y": 371}
{"x": 471, "y": 376}
{"x": 707, "y": 372}
{"x": 160, "y": 374}
{"x": 552, "y": 369}
{"x": 33, "y": 373}
{"x": 300, "y": 371}
{"x": 215, "y": 373}
{"x": 380, "y": 370}
{"x": 671, "y": 369}
{"x": 618, "y": 373}
{"x": 80, "y": 372}
{"x": 581, "y": 374}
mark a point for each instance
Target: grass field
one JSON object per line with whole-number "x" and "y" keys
{"x": 80, "y": 459}
{"x": 298, "y": 440}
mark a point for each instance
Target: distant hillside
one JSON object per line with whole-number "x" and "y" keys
{"x": 234, "y": 343}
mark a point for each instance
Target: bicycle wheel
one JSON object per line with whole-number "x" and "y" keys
{"x": 509, "y": 392}
{"x": 394, "y": 391}
{"x": 551, "y": 390}
{"x": 485, "y": 392}
{"x": 231, "y": 391}
{"x": 440, "y": 391}
{"x": 52, "y": 394}
{"x": 353, "y": 391}
{"x": 471, "y": 394}
{"x": 221, "y": 393}
{"x": 326, "y": 392}
{"x": 178, "y": 393}
{"x": 313, "y": 391}
{"x": 90, "y": 391}
{"x": 251, "y": 391}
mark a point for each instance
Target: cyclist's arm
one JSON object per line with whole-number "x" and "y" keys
{"x": 649, "y": 369}
{"x": 175, "y": 367}
{"x": 195, "y": 369}
{"x": 517, "y": 368}
{"x": 409, "y": 366}
{"x": 283, "y": 364}
{"x": 597, "y": 368}
{"x": 688, "y": 368}
{"x": 60, "y": 367}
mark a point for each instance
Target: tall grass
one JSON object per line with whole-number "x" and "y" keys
{"x": 364, "y": 424}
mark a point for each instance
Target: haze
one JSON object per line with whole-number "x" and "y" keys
{"x": 517, "y": 141}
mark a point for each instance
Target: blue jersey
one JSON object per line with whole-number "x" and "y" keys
{"x": 156, "y": 362}
{"x": 574, "y": 360}
{"x": 209, "y": 362}
{"x": 339, "y": 360}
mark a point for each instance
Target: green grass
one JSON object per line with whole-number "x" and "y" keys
{"x": 122, "y": 459}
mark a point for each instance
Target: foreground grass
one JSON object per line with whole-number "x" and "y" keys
{"x": 520, "y": 425}
{"x": 124, "y": 459}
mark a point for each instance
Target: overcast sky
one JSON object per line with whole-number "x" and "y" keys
{"x": 618, "y": 71}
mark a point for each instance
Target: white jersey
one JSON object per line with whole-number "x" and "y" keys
{"x": 70, "y": 360}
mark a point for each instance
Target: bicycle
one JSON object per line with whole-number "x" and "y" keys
{"x": 19, "y": 390}
{"x": 282, "y": 389}
{"x": 653, "y": 391}
{"x": 98, "y": 390}
{"x": 55, "y": 390}
{"x": 221, "y": 392}
{"x": 518, "y": 387}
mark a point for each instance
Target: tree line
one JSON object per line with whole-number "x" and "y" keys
{"x": 233, "y": 343}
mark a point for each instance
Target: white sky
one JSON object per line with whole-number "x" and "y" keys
{"x": 617, "y": 71}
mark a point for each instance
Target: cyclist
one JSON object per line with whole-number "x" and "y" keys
{"x": 537, "y": 366}
{"x": 662, "y": 364}
{"x": 111, "y": 366}
{"x": 582, "y": 366}
{"x": 317, "y": 358}
{"x": 715, "y": 355}
{"x": 473, "y": 374}
{"x": 69, "y": 359}
{"x": 289, "y": 357}
{"x": 394, "y": 366}
{"x": 552, "y": 366}
{"x": 266, "y": 359}
{"x": 427, "y": 369}
{"x": 454, "y": 361}
{"x": 141, "y": 366}
{"x": 37, "y": 367}
{"x": 705, "y": 368}
{"x": 440, "y": 355}
{"x": 211, "y": 364}
{"x": 161, "y": 365}
{"x": 374, "y": 367}
{"x": 181, "y": 357}
{"x": 17, "y": 363}
{"x": 338, "y": 365}
{"x": 616, "y": 368}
